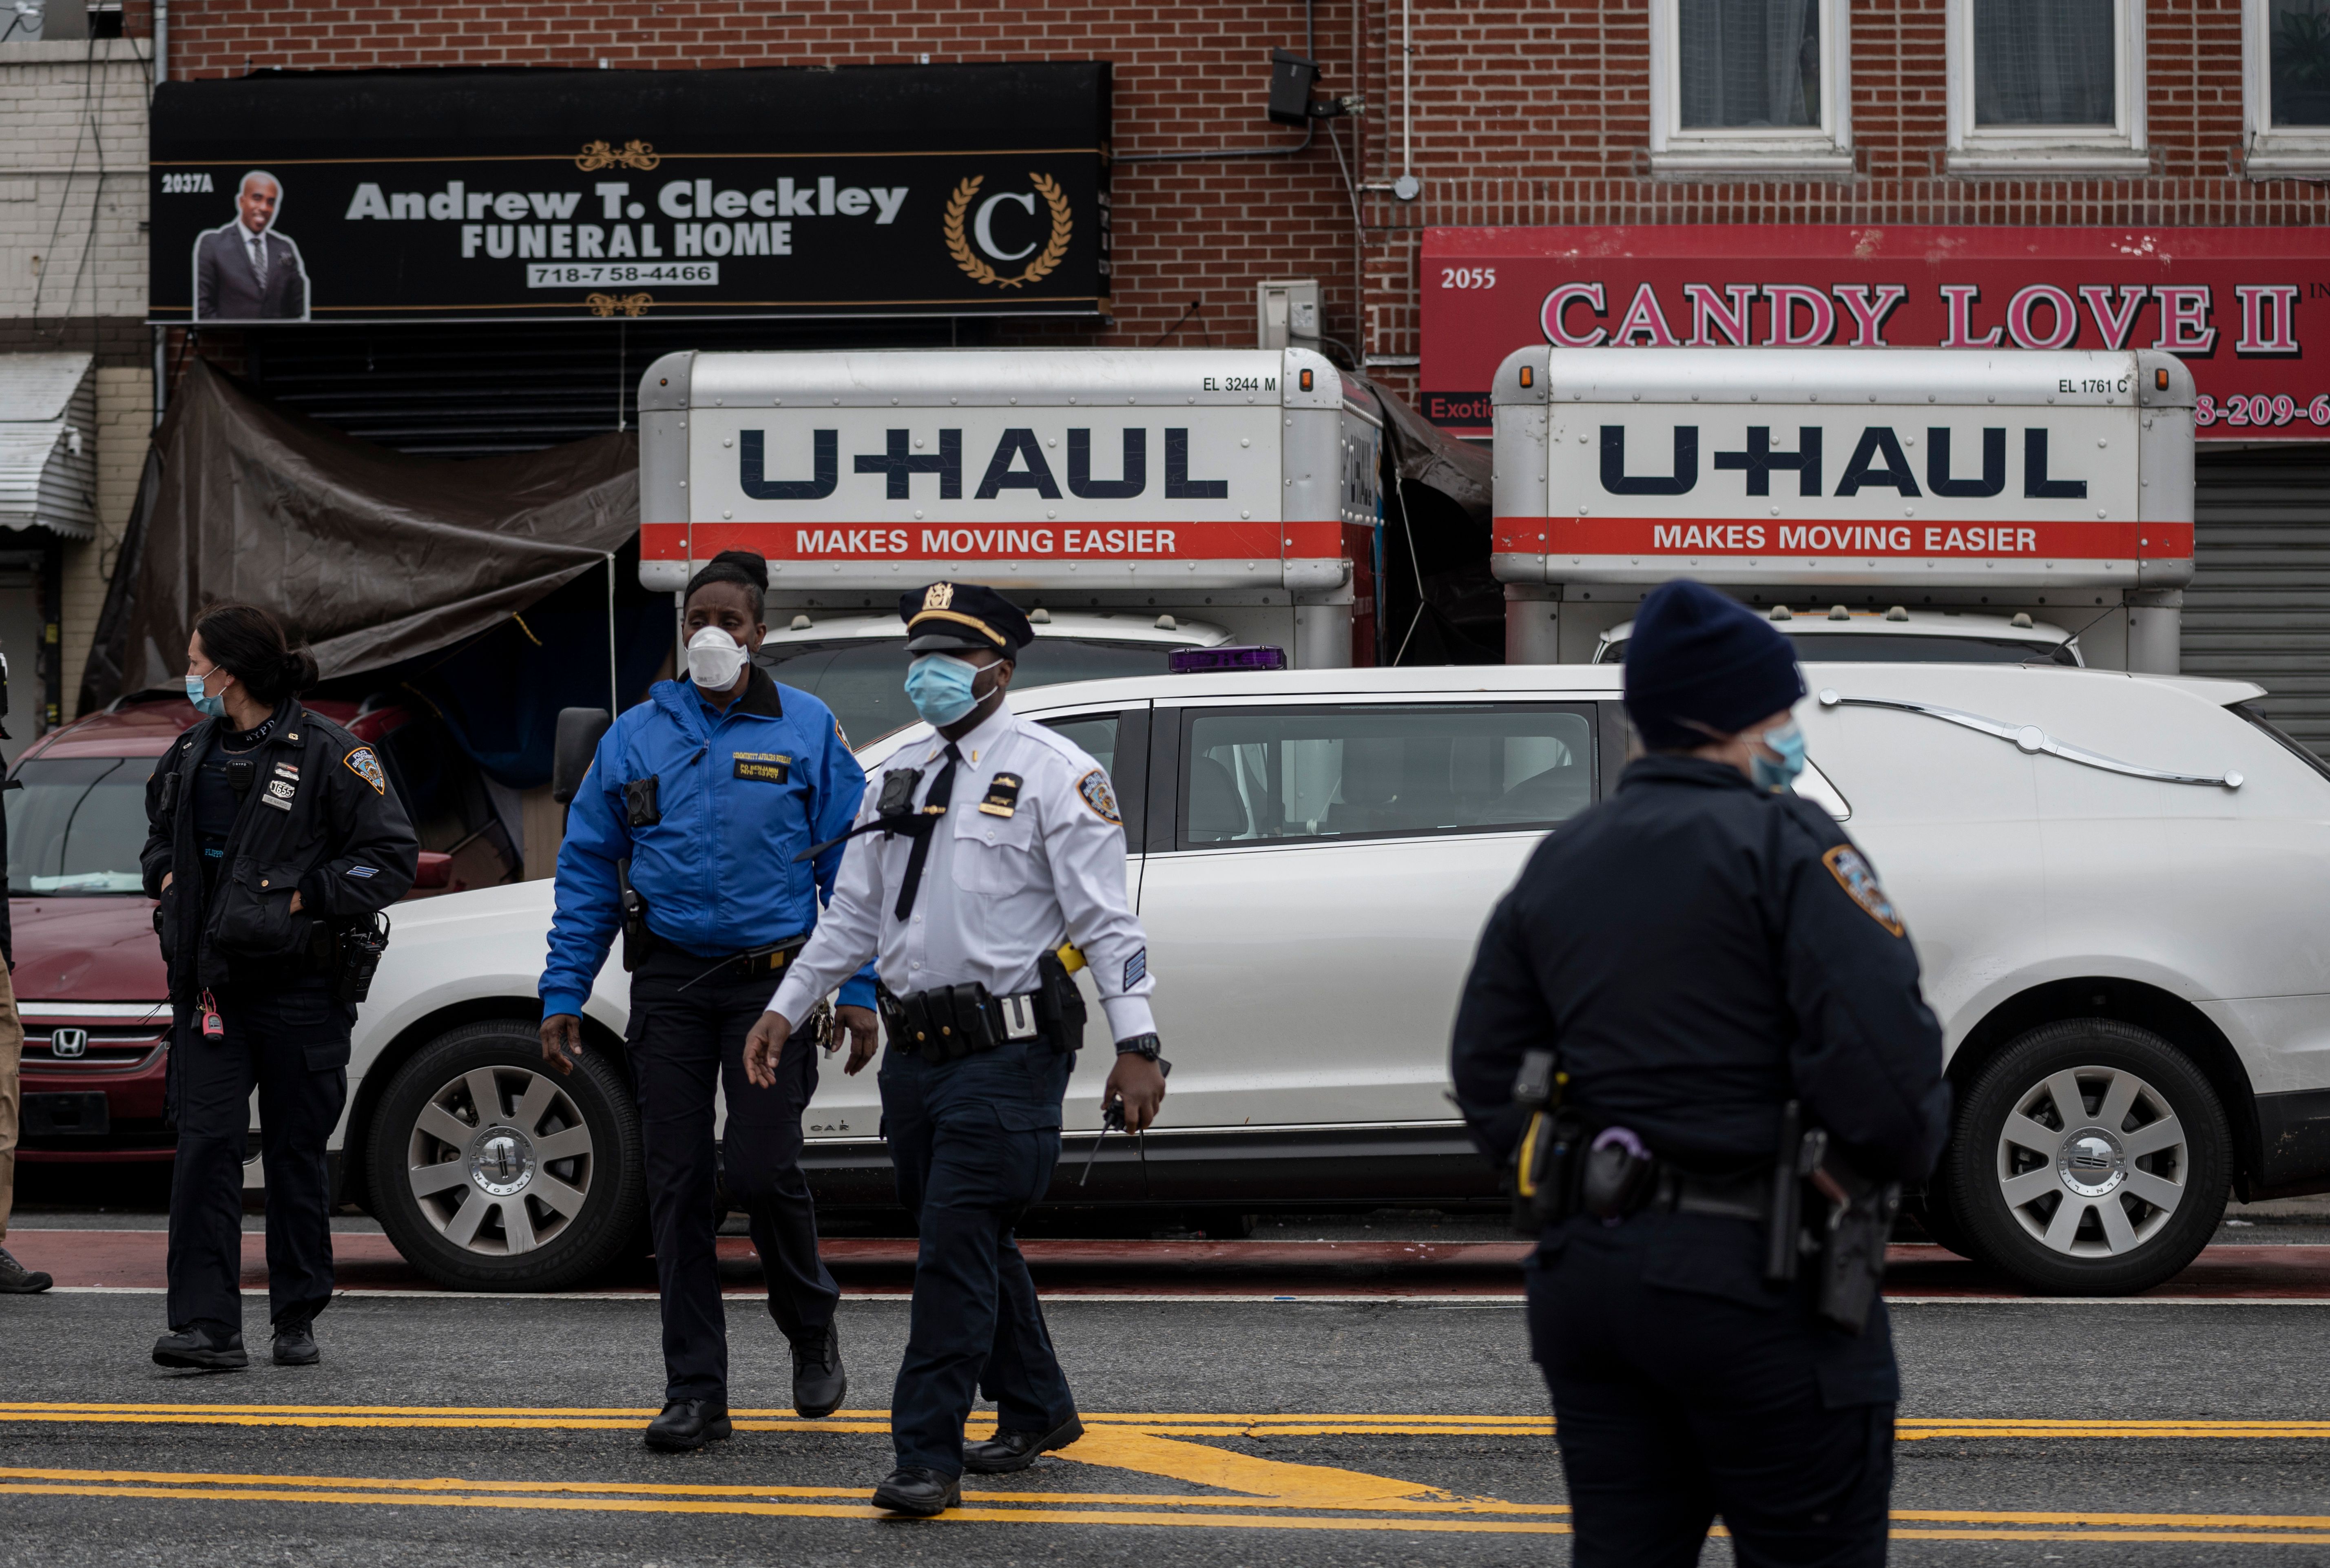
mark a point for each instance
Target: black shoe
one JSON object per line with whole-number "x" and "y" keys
{"x": 16, "y": 1279}
{"x": 820, "y": 1381}
{"x": 689, "y": 1423}
{"x": 1014, "y": 1451}
{"x": 295, "y": 1343}
{"x": 203, "y": 1346}
{"x": 910, "y": 1489}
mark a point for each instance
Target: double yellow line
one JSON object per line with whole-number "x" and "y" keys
{"x": 1166, "y": 1423}
{"x": 1480, "y": 1515}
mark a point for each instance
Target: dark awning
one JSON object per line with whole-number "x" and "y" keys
{"x": 372, "y": 555}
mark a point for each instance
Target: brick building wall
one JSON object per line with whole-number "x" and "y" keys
{"x": 72, "y": 276}
{"x": 1522, "y": 114}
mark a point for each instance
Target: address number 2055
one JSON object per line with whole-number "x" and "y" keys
{"x": 1468, "y": 277}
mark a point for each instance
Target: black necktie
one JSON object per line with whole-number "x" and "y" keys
{"x": 934, "y": 807}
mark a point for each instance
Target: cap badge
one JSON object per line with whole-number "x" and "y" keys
{"x": 941, "y": 596}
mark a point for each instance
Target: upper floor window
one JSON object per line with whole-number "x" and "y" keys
{"x": 2046, "y": 85}
{"x": 1748, "y": 87}
{"x": 2285, "y": 59}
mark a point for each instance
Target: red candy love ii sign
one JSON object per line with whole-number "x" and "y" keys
{"x": 2241, "y": 306}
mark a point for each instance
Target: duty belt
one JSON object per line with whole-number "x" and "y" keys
{"x": 946, "y": 1023}
{"x": 746, "y": 966}
{"x": 1743, "y": 1197}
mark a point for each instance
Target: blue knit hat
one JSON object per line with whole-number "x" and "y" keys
{"x": 1697, "y": 655}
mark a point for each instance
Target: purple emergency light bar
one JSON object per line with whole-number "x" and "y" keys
{"x": 1199, "y": 661}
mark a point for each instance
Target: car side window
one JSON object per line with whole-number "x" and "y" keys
{"x": 1119, "y": 743}
{"x": 1252, "y": 775}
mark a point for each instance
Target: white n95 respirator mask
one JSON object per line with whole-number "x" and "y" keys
{"x": 715, "y": 660}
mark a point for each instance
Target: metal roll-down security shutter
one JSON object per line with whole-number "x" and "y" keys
{"x": 2259, "y": 608}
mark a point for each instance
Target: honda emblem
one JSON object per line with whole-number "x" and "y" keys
{"x": 67, "y": 1044}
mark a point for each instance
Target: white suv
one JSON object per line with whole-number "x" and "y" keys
{"x": 2116, "y": 884}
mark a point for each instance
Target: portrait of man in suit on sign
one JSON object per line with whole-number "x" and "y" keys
{"x": 246, "y": 272}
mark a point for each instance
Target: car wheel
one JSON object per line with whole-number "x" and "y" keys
{"x": 490, "y": 1171}
{"x": 2092, "y": 1160}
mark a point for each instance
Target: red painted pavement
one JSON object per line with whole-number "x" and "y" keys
{"x": 134, "y": 1259}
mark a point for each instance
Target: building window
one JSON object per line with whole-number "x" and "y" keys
{"x": 2285, "y": 59}
{"x": 1748, "y": 88}
{"x": 2052, "y": 86}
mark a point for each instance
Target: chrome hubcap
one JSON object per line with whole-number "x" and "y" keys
{"x": 2092, "y": 1162}
{"x": 501, "y": 1160}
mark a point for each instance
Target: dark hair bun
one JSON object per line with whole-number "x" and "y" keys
{"x": 751, "y": 563}
{"x": 300, "y": 669}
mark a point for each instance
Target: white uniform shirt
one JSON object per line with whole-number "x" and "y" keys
{"x": 997, "y": 890}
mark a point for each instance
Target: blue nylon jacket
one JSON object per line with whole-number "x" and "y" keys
{"x": 739, "y": 794}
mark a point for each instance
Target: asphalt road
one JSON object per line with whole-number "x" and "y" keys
{"x": 1233, "y": 1433}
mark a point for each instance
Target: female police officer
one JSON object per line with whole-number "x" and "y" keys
{"x": 684, "y": 834}
{"x": 1707, "y": 958}
{"x": 274, "y": 838}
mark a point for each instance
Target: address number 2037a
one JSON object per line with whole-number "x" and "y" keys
{"x": 1468, "y": 277}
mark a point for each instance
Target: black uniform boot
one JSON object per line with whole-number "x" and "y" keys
{"x": 295, "y": 1343}
{"x": 1014, "y": 1451}
{"x": 820, "y": 1381}
{"x": 921, "y": 1493}
{"x": 16, "y": 1279}
{"x": 206, "y": 1347}
{"x": 689, "y": 1423}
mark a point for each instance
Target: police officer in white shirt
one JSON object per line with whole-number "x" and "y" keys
{"x": 987, "y": 862}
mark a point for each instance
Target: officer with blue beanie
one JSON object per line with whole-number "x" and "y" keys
{"x": 1694, "y": 1031}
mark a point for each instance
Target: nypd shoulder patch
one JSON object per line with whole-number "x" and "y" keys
{"x": 366, "y": 767}
{"x": 1093, "y": 788}
{"x": 1859, "y": 880}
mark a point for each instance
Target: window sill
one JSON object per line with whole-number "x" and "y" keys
{"x": 1712, "y": 165}
{"x": 2048, "y": 163}
{"x": 2292, "y": 160}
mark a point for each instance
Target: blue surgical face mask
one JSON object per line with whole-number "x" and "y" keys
{"x": 205, "y": 704}
{"x": 1788, "y": 741}
{"x": 940, "y": 688}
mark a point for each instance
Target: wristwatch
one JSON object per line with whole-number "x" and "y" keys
{"x": 1147, "y": 1046}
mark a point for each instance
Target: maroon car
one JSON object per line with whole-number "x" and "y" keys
{"x": 88, "y": 976}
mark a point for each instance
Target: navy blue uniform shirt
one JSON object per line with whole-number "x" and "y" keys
{"x": 1699, "y": 953}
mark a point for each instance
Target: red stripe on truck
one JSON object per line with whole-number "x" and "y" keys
{"x": 1049, "y": 541}
{"x": 1873, "y": 537}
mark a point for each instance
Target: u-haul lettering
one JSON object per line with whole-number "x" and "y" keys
{"x": 879, "y": 472}
{"x": 1872, "y": 480}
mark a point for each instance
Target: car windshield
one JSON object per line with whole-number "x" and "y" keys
{"x": 863, "y": 679}
{"x": 1876, "y": 648}
{"x": 77, "y": 825}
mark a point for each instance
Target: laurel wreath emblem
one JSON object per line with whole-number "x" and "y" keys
{"x": 1049, "y": 257}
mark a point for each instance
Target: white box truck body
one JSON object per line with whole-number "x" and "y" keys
{"x": 1968, "y": 471}
{"x": 1232, "y": 486}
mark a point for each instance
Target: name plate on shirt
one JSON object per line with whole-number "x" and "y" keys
{"x": 766, "y": 767}
{"x": 1002, "y": 795}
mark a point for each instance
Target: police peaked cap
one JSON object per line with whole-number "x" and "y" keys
{"x": 962, "y": 615}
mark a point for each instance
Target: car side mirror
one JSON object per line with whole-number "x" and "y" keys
{"x": 579, "y": 731}
{"x": 436, "y": 870}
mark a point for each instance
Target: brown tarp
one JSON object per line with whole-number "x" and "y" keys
{"x": 371, "y": 555}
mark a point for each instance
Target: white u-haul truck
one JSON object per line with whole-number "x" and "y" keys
{"x": 1943, "y": 481}
{"x": 1237, "y": 487}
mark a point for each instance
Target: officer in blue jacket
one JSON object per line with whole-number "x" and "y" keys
{"x": 682, "y": 836}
